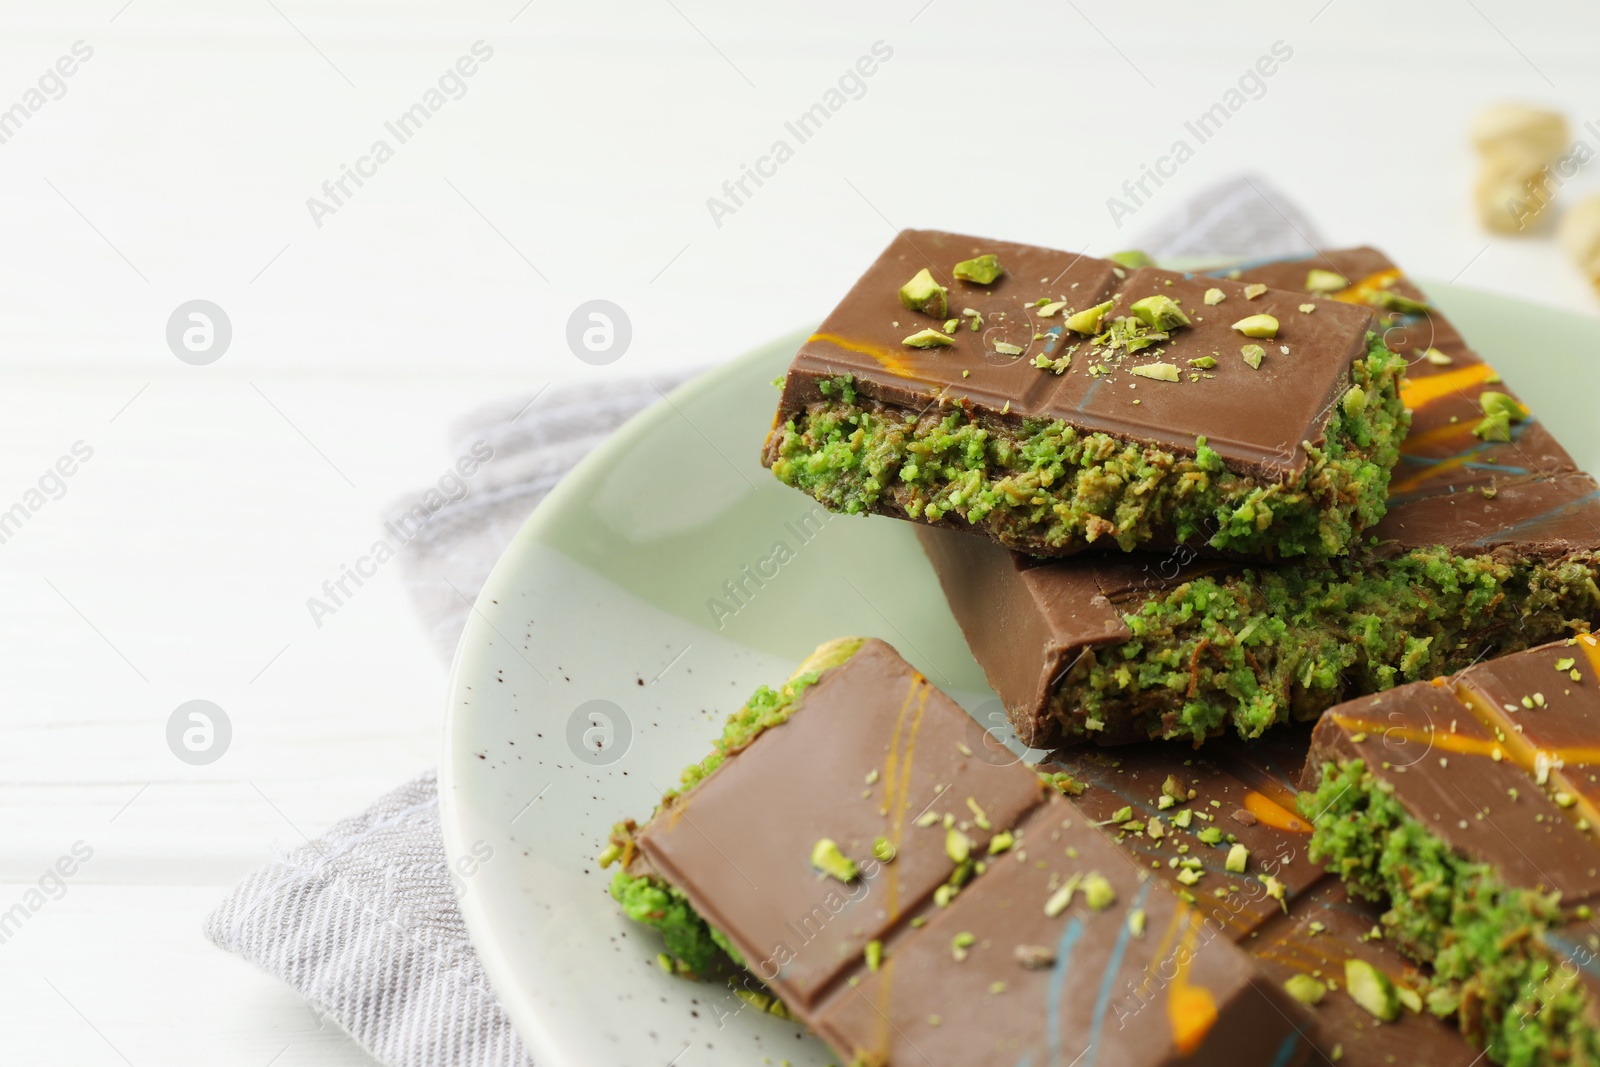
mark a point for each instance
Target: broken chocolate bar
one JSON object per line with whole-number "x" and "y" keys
{"x": 1222, "y": 830}
{"x": 1466, "y": 808}
{"x": 913, "y": 903}
{"x": 1052, "y": 402}
{"x": 1490, "y": 545}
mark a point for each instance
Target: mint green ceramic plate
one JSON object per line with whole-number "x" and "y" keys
{"x": 661, "y": 582}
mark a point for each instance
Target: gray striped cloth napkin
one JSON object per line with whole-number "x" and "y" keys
{"x": 363, "y": 921}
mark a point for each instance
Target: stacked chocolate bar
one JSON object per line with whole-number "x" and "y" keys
{"x": 1168, "y": 511}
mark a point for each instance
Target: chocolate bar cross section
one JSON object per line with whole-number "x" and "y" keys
{"x": 1068, "y": 402}
{"x": 972, "y": 915}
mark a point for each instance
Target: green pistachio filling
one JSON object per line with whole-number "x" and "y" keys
{"x": 1486, "y": 940}
{"x": 1040, "y": 485}
{"x": 1258, "y": 646}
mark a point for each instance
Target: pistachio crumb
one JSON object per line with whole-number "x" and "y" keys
{"x": 1215, "y": 296}
{"x": 927, "y": 339}
{"x": 1257, "y": 326}
{"x": 1253, "y": 290}
{"x": 1253, "y": 355}
{"x": 826, "y": 857}
{"x": 981, "y": 270}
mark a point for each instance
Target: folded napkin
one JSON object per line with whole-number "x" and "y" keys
{"x": 363, "y": 921}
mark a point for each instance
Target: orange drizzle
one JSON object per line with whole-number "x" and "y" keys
{"x": 1528, "y": 756}
{"x": 1416, "y": 392}
{"x": 1448, "y": 742}
{"x": 1591, "y": 650}
{"x": 1275, "y": 815}
{"x": 897, "y": 782}
{"x": 1361, "y": 292}
{"x": 1191, "y": 1009}
{"x": 892, "y": 361}
{"x": 1415, "y": 442}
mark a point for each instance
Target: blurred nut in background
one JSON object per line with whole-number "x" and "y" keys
{"x": 1580, "y": 237}
{"x": 1518, "y": 144}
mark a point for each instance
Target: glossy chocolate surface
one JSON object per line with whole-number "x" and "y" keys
{"x": 1256, "y": 419}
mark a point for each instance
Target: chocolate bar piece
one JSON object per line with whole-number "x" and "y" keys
{"x": 1052, "y": 401}
{"x": 915, "y": 903}
{"x": 1223, "y": 831}
{"x": 1489, "y": 546}
{"x": 1466, "y": 807}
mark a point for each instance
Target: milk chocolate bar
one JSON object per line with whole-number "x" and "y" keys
{"x": 1466, "y": 808}
{"x": 1053, "y": 401}
{"x": 914, "y": 902}
{"x": 1223, "y": 831}
{"x": 1489, "y": 546}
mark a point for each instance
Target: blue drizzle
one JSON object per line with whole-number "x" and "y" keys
{"x": 1108, "y": 978}
{"x": 1286, "y": 1050}
{"x": 1548, "y": 516}
{"x": 1058, "y": 982}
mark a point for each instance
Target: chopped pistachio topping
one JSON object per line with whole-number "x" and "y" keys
{"x": 1254, "y": 290}
{"x": 1238, "y": 859}
{"x": 1006, "y": 348}
{"x": 1252, "y": 355}
{"x": 1062, "y": 897}
{"x": 1087, "y": 321}
{"x": 1161, "y": 372}
{"x": 960, "y": 943}
{"x": 1204, "y": 362}
{"x": 874, "y": 955}
{"x": 1215, "y": 296}
{"x": 1133, "y": 259}
{"x": 1389, "y": 300}
{"x": 1354, "y": 402}
{"x": 1276, "y": 890}
{"x": 982, "y": 270}
{"x": 927, "y": 818}
{"x": 826, "y": 857}
{"x": 610, "y": 855}
{"x": 1188, "y": 875}
{"x": 1182, "y": 819}
{"x": 928, "y": 339}
{"x": 1098, "y": 892}
{"x": 1136, "y": 922}
{"x": 980, "y": 818}
{"x": 923, "y": 294}
{"x": 1159, "y": 312}
{"x": 1001, "y": 842}
{"x": 1437, "y": 358}
{"x": 943, "y": 895}
{"x": 1565, "y": 664}
{"x": 957, "y": 845}
{"x": 1122, "y": 814}
{"x": 1306, "y": 989}
{"x": 1372, "y": 989}
{"x": 1257, "y": 326}
{"x": 883, "y": 849}
{"x": 1210, "y": 836}
{"x": 1325, "y": 281}
{"x": 1306, "y": 309}
{"x": 1494, "y": 403}
{"x": 977, "y": 318}
{"x": 1047, "y": 310}
{"x": 951, "y": 324}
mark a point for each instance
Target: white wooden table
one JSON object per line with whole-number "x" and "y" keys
{"x": 576, "y": 164}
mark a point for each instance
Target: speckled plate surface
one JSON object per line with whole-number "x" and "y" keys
{"x": 655, "y": 588}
